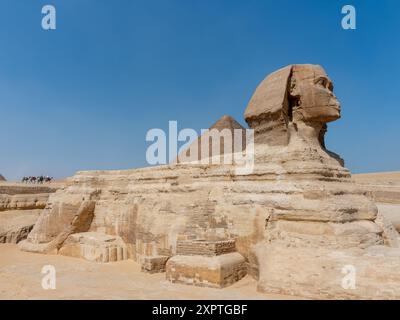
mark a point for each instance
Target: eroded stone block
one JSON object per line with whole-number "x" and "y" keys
{"x": 216, "y": 272}
{"x": 15, "y": 225}
{"x": 95, "y": 246}
{"x": 205, "y": 247}
{"x": 153, "y": 264}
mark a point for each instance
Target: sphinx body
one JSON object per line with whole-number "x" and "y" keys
{"x": 297, "y": 218}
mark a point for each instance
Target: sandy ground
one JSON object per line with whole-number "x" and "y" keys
{"x": 21, "y": 278}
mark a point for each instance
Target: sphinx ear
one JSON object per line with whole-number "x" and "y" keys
{"x": 271, "y": 98}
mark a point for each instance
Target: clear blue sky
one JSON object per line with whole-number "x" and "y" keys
{"x": 84, "y": 96}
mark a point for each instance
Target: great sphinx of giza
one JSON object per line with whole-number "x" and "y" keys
{"x": 296, "y": 222}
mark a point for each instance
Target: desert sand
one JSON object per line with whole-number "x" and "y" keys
{"x": 21, "y": 277}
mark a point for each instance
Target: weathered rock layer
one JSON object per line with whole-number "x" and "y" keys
{"x": 20, "y": 207}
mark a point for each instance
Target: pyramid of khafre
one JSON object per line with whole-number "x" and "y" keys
{"x": 2, "y": 178}
{"x": 216, "y": 139}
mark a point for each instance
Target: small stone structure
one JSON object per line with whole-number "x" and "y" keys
{"x": 206, "y": 263}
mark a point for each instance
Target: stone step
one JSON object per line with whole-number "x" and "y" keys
{"x": 215, "y": 272}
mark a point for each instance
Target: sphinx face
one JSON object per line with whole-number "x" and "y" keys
{"x": 314, "y": 92}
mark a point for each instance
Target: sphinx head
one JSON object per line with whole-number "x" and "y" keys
{"x": 299, "y": 95}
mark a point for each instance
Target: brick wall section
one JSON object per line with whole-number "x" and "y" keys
{"x": 204, "y": 247}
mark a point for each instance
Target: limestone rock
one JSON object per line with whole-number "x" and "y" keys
{"x": 153, "y": 264}
{"x": 216, "y": 272}
{"x": 94, "y": 246}
{"x": 390, "y": 234}
{"x": 321, "y": 273}
{"x": 2, "y": 178}
{"x": 23, "y": 201}
{"x": 204, "y": 247}
{"x": 77, "y": 219}
{"x": 294, "y": 102}
{"x": 16, "y": 225}
{"x": 211, "y": 263}
{"x": 27, "y": 189}
{"x": 20, "y": 207}
{"x": 391, "y": 212}
{"x": 18, "y": 196}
